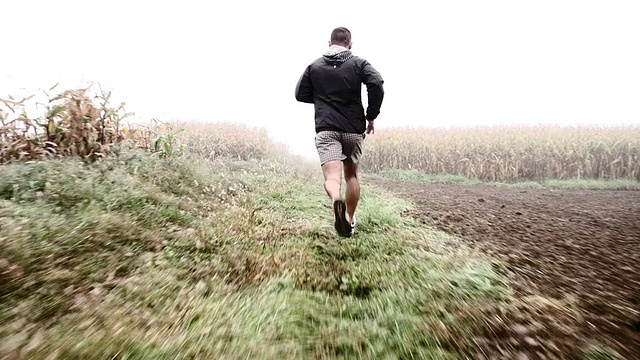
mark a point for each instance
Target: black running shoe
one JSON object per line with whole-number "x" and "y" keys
{"x": 341, "y": 224}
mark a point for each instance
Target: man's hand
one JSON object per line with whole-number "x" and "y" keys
{"x": 370, "y": 129}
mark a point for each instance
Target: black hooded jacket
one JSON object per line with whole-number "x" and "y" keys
{"x": 333, "y": 83}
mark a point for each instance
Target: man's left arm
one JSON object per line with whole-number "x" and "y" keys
{"x": 304, "y": 89}
{"x": 375, "y": 90}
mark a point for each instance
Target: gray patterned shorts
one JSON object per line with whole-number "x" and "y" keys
{"x": 336, "y": 145}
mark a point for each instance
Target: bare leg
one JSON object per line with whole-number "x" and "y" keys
{"x": 353, "y": 188}
{"x": 332, "y": 179}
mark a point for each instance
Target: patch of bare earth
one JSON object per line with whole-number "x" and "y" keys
{"x": 572, "y": 256}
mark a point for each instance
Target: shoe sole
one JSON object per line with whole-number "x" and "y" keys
{"x": 341, "y": 225}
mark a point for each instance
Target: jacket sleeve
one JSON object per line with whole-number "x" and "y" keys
{"x": 304, "y": 89}
{"x": 375, "y": 90}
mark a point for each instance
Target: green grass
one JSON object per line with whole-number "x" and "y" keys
{"x": 592, "y": 184}
{"x": 136, "y": 257}
{"x": 600, "y": 353}
{"x": 579, "y": 184}
{"x": 419, "y": 176}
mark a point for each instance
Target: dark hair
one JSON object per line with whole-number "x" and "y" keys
{"x": 340, "y": 36}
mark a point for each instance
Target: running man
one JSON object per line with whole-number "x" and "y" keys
{"x": 333, "y": 84}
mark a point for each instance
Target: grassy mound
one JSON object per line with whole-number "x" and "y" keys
{"x": 136, "y": 256}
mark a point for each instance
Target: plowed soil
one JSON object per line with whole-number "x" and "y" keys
{"x": 572, "y": 257}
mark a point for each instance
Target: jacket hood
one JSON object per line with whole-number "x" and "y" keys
{"x": 337, "y": 55}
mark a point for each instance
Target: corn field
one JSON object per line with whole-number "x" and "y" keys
{"x": 84, "y": 123}
{"x": 229, "y": 140}
{"x": 76, "y": 123}
{"x": 509, "y": 153}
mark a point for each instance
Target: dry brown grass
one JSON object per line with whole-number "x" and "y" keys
{"x": 510, "y": 153}
{"x": 75, "y": 123}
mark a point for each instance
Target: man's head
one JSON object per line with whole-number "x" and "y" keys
{"x": 341, "y": 36}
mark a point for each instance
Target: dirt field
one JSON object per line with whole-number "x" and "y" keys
{"x": 573, "y": 257}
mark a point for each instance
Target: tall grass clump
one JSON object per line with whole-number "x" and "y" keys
{"x": 510, "y": 153}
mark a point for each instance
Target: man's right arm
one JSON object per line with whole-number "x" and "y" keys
{"x": 304, "y": 89}
{"x": 375, "y": 90}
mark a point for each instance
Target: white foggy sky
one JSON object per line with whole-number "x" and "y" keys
{"x": 445, "y": 63}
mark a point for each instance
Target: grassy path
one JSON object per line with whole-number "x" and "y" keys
{"x": 138, "y": 258}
